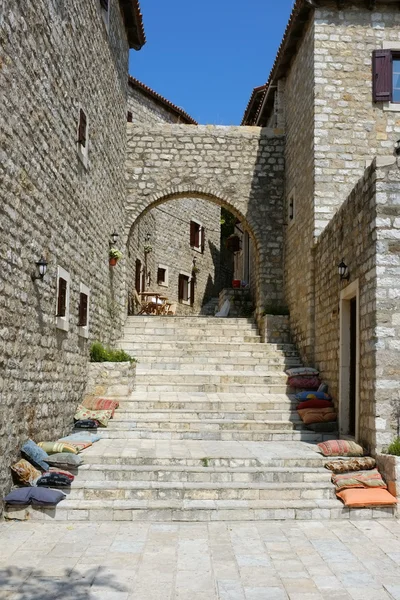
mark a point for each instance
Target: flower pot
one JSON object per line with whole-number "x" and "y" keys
{"x": 112, "y": 262}
{"x": 236, "y": 283}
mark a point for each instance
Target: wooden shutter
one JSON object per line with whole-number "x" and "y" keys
{"x": 82, "y": 128}
{"x": 104, "y": 4}
{"x": 161, "y": 275}
{"x": 382, "y": 73}
{"x": 62, "y": 297}
{"x": 180, "y": 288}
{"x": 202, "y": 239}
{"x": 83, "y": 309}
{"x": 137, "y": 275}
{"x": 192, "y": 233}
{"x": 130, "y": 117}
{"x": 192, "y": 284}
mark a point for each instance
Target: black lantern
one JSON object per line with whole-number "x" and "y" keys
{"x": 344, "y": 272}
{"x": 41, "y": 266}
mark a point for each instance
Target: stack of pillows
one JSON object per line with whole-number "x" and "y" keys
{"x": 315, "y": 406}
{"x": 358, "y": 483}
{"x": 94, "y": 412}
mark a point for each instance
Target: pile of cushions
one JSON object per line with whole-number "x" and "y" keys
{"x": 358, "y": 483}
{"x": 100, "y": 416}
{"x": 317, "y": 412}
{"x": 303, "y": 378}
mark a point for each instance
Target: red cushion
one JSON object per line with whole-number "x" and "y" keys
{"x": 315, "y": 404}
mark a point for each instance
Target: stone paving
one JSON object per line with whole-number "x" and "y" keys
{"x": 294, "y": 560}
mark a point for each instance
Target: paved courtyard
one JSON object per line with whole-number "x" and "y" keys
{"x": 308, "y": 560}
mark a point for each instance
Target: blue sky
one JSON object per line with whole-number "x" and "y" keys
{"x": 206, "y": 56}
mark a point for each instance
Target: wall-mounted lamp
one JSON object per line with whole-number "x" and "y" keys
{"x": 147, "y": 238}
{"x": 41, "y": 267}
{"x": 114, "y": 237}
{"x": 344, "y": 272}
{"x": 397, "y": 148}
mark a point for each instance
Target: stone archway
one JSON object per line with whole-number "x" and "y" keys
{"x": 237, "y": 167}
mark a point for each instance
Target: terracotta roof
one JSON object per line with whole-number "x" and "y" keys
{"x": 133, "y": 23}
{"x": 179, "y": 112}
{"x": 253, "y": 105}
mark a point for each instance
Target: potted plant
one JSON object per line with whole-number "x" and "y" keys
{"x": 114, "y": 256}
{"x": 147, "y": 248}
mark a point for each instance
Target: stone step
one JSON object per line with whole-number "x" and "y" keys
{"x": 200, "y": 405}
{"x": 178, "y": 490}
{"x": 214, "y": 337}
{"x": 210, "y": 377}
{"x": 200, "y": 510}
{"x": 155, "y": 472}
{"x": 166, "y": 415}
{"x": 206, "y": 424}
{"x": 200, "y": 348}
{"x": 216, "y": 363}
{"x": 262, "y": 435}
{"x": 224, "y": 388}
{"x": 187, "y": 322}
{"x": 182, "y": 331}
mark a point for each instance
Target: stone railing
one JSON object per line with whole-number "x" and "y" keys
{"x": 111, "y": 379}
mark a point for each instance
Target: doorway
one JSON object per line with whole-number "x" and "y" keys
{"x": 349, "y": 361}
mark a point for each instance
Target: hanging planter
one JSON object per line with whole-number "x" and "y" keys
{"x": 113, "y": 256}
{"x": 233, "y": 243}
{"x": 147, "y": 248}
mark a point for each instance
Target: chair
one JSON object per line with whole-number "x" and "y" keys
{"x": 144, "y": 306}
{"x": 171, "y": 309}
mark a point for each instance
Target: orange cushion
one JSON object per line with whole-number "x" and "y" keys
{"x": 317, "y": 415}
{"x": 367, "y": 497}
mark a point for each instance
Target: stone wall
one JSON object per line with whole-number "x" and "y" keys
{"x": 299, "y": 186}
{"x": 56, "y": 57}
{"x": 238, "y": 167}
{"x": 147, "y": 110}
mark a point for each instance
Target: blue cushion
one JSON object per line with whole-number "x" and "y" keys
{"x": 19, "y": 496}
{"x": 36, "y": 455}
{"x": 41, "y": 496}
{"x": 81, "y": 436}
{"x": 312, "y": 396}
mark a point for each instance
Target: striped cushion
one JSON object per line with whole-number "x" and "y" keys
{"x": 56, "y": 447}
{"x": 80, "y": 444}
{"x": 340, "y": 448}
{"x": 354, "y": 464}
{"x": 60, "y": 472}
{"x": 100, "y": 403}
{"x": 359, "y": 479}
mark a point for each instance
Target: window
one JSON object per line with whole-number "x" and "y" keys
{"x": 162, "y": 275}
{"x": 84, "y": 295}
{"x": 386, "y": 76}
{"x": 82, "y": 139}
{"x": 130, "y": 117}
{"x": 62, "y": 305}
{"x": 105, "y": 12}
{"x": 138, "y": 276}
{"x": 291, "y": 207}
{"x": 183, "y": 291}
{"x": 196, "y": 236}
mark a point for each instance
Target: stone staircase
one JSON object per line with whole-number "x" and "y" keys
{"x": 210, "y": 433}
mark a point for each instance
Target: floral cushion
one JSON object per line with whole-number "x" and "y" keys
{"x": 313, "y": 396}
{"x": 56, "y": 447}
{"x": 301, "y": 371}
{"x": 357, "y": 498}
{"x": 353, "y": 464}
{"x": 37, "y": 456}
{"x": 317, "y": 415}
{"x": 359, "y": 479}
{"x": 304, "y": 383}
{"x": 340, "y": 448}
{"x": 100, "y": 403}
{"x": 25, "y": 472}
{"x": 315, "y": 404}
{"x": 65, "y": 459}
{"x": 101, "y": 416}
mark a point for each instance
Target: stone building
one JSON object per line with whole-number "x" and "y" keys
{"x": 333, "y": 88}
{"x": 184, "y": 235}
{"x": 63, "y": 79}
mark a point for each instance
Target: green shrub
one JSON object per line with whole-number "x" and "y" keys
{"x": 100, "y": 353}
{"x": 394, "y": 447}
{"x": 276, "y": 310}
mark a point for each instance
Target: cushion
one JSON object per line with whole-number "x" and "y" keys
{"x": 37, "y": 456}
{"x": 65, "y": 459}
{"x": 61, "y": 472}
{"x": 313, "y": 396}
{"x": 340, "y": 448}
{"x": 315, "y": 404}
{"x": 25, "y": 472}
{"x": 100, "y": 403}
{"x": 329, "y": 427}
{"x": 359, "y": 479}
{"x": 55, "y": 447}
{"x": 53, "y": 480}
{"x": 80, "y": 445}
{"x": 323, "y": 388}
{"x": 367, "y": 497}
{"x": 354, "y": 464}
{"x": 80, "y": 436}
{"x": 317, "y": 415}
{"x": 101, "y": 416}
{"x": 301, "y": 371}
{"x": 45, "y": 497}
{"x": 86, "y": 424}
{"x": 304, "y": 383}
{"x": 19, "y": 496}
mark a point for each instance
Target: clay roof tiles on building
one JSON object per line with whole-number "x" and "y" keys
{"x": 184, "y": 117}
{"x": 253, "y": 105}
{"x": 133, "y": 23}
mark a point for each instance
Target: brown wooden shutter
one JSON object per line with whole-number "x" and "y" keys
{"x": 83, "y": 309}
{"x": 192, "y": 233}
{"x": 202, "y": 239}
{"x": 382, "y": 73}
{"x": 180, "y": 287}
{"x": 192, "y": 285}
{"x": 62, "y": 297}
{"x": 137, "y": 275}
{"x": 82, "y": 128}
{"x": 130, "y": 117}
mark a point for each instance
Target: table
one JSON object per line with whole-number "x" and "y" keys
{"x": 156, "y": 306}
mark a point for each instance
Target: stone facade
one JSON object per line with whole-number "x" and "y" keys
{"x": 147, "y": 106}
{"x": 111, "y": 379}
{"x": 239, "y": 168}
{"x": 57, "y": 58}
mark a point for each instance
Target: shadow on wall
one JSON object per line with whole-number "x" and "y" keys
{"x": 35, "y": 584}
